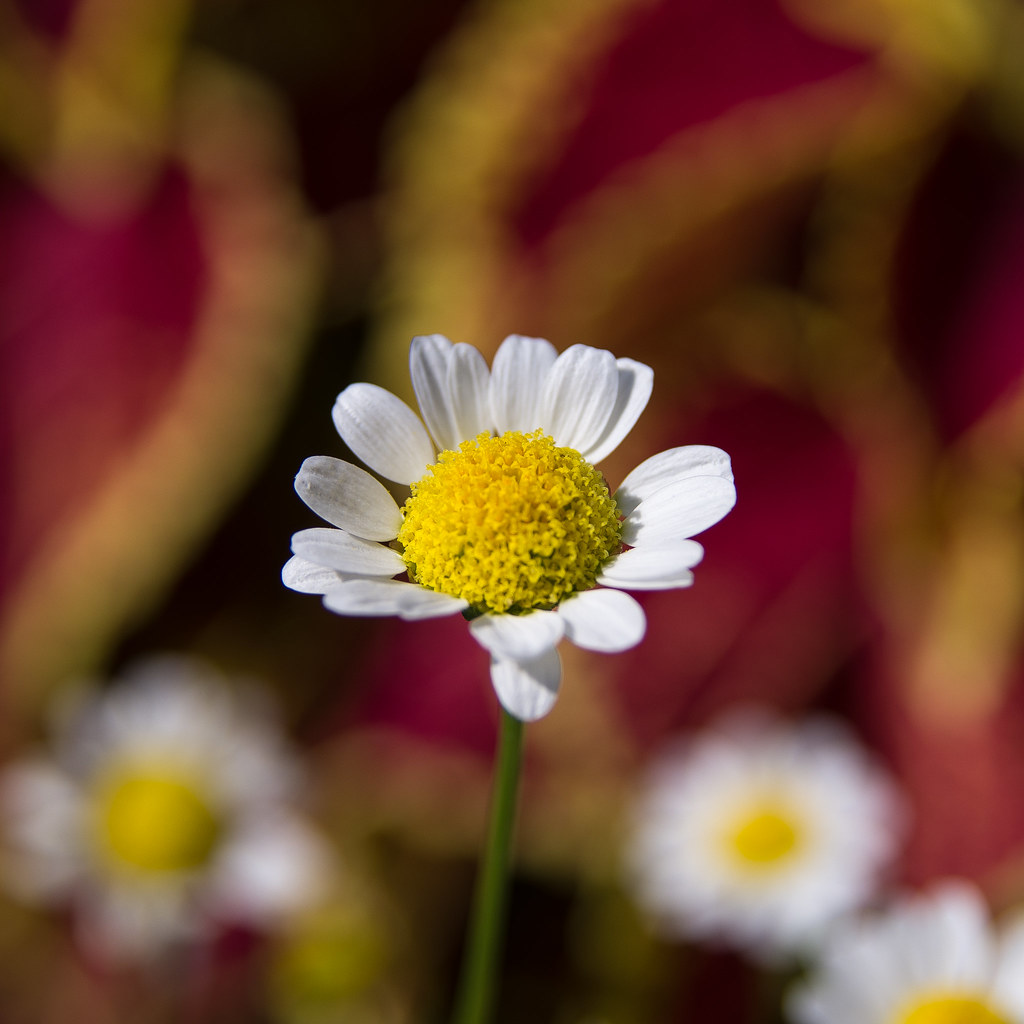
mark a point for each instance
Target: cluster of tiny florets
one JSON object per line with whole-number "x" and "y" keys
{"x": 509, "y": 523}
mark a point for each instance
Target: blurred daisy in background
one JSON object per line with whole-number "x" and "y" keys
{"x": 340, "y": 958}
{"x": 758, "y": 833}
{"x": 930, "y": 959}
{"x": 511, "y": 525}
{"x": 165, "y": 809}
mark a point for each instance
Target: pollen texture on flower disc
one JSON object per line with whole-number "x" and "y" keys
{"x": 156, "y": 822}
{"x": 951, "y": 1009}
{"x": 509, "y": 523}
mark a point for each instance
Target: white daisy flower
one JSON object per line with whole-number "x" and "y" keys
{"x": 758, "y": 833}
{"x": 931, "y": 959}
{"x": 166, "y": 808}
{"x": 511, "y": 524}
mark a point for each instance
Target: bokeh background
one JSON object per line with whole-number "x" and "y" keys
{"x": 809, "y": 219}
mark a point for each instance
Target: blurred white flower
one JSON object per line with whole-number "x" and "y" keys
{"x": 165, "y": 808}
{"x": 511, "y": 523}
{"x": 758, "y": 833}
{"x": 932, "y": 959}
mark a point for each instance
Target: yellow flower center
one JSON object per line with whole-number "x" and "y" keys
{"x": 332, "y": 956}
{"x": 764, "y": 836}
{"x": 509, "y": 523}
{"x": 156, "y": 822}
{"x": 951, "y": 1009}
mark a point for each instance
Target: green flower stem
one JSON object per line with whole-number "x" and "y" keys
{"x": 477, "y": 986}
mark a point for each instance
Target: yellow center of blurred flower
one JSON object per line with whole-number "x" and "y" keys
{"x": 330, "y": 957}
{"x": 156, "y": 822}
{"x": 509, "y": 523}
{"x": 764, "y": 837}
{"x": 951, "y": 1009}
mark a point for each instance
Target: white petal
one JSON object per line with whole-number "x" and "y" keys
{"x": 120, "y": 924}
{"x": 336, "y": 549}
{"x": 679, "y": 510}
{"x": 579, "y": 396}
{"x": 603, "y": 620}
{"x": 383, "y": 432}
{"x": 348, "y": 497}
{"x": 469, "y": 383}
{"x": 667, "y": 467}
{"x": 429, "y": 359}
{"x": 970, "y": 939}
{"x": 520, "y": 368}
{"x": 42, "y": 816}
{"x": 272, "y": 864}
{"x": 308, "y": 577}
{"x": 390, "y": 597}
{"x": 1008, "y": 980}
{"x": 517, "y": 637}
{"x": 636, "y": 381}
{"x": 653, "y": 568}
{"x": 528, "y": 690}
